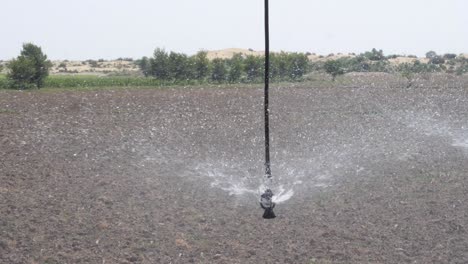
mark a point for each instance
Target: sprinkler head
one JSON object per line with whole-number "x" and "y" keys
{"x": 266, "y": 202}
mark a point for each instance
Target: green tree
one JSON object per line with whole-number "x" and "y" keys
{"x": 235, "y": 68}
{"x": 374, "y": 55}
{"x": 334, "y": 68}
{"x": 298, "y": 65}
{"x": 30, "y": 68}
{"x": 431, "y": 54}
{"x": 218, "y": 73}
{"x": 144, "y": 65}
{"x": 159, "y": 64}
{"x": 280, "y": 65}
{"x": 178, "y": 66}
{"x": 201, "y": 65}
{"x": 434, "y": 58}
{"x": 253, "y": 66}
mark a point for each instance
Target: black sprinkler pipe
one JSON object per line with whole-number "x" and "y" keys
{"x": 266, "y": 199}
{"x": 267, "y": 83}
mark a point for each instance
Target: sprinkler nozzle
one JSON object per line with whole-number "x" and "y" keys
{"x": 266, "y": 202}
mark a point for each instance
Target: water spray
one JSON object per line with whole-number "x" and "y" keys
{"x": 266, "y": 199}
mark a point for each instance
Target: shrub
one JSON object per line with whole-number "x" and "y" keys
{"x": 334, "y": 68}
{"x": 374, "y": 55}
{"x": 437, "y": 60}
{"x": 462, "y": 68}
{"x": 449, "y": 56}
{"x": 93, "y": 63}
{"x": 144, "y": 65}
{"x": 408, "y": 70}
{"x": 431, "y": 54}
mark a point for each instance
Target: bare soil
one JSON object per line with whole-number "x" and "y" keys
{"x": 115, "y": 176}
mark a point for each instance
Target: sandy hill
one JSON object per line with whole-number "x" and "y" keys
{"x": 228, "y": 53}
{"x": 94, "y": 67}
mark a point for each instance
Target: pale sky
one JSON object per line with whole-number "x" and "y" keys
{"x": 93, "y": 29}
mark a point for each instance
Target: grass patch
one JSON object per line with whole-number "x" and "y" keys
{"x": 7, "y": 111}
{"x": 83, "y": 81}
{"x": 93, "y": 81}
{"x": 3, "y": 82}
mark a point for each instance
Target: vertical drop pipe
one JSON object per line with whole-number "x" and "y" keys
{"x": 266, "y": 199}
{"x": 267, "y": 80}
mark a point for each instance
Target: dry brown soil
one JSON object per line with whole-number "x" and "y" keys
{"x": 379, "y": 174}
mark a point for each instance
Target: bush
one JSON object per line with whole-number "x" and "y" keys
{"x": 334, "y": 68}
{"x": 374, "y": 55}
{"x": 144, "y": 65}
{"x": 449, "y": 56}
{"x": 4, "y": 84}
{"x": 431, "y": 54}
{"x": 463, "y": 67}
{"x": 30, "y": 68}
{"x": 437, "y": 60}
{"x": 93, "y": 63}
{"x": 408, "y": 70}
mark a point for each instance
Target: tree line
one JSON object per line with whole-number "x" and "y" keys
{"x": 376, "y": 61}
{"x": 175, "y": 66}
{"x": 31, "y": 67}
